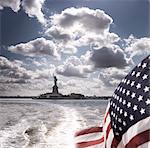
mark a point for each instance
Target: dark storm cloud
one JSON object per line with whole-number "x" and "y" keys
{"x": 109, "y": 57}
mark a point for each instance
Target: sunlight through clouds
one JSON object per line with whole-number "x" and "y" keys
{"x": 95, "y": 42}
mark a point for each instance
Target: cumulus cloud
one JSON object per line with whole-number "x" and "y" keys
{"x": 77, "y": 27}
{"x": 136, "y": 45}
{"x": 41, "y": 62}
{"x": 58, "y": 34}
{"x": 77, "y": 85}
{"x": 45, "y": 73}
{"x": 33, "y": 8}
{"x": 136, "y": 48}
{"x": 37, "y": 47}
{"x": 84, "y": 18}
{"x": 68, "y": 49}
{"x": 74, "y": 67}
{"x": 13, "y": 4}
{"x": 111, "y": 77}
{"x": 16, "y": 79}
{"x": 106, "y": 57}
{"x": 64, "y": 84}
{"x": 13, "y": 71}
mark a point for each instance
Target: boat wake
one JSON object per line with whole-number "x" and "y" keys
{"x": 51, "y": 126}
{"x": 63, "y": 135}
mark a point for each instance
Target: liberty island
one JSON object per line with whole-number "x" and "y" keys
{"x": 55, "y": 94}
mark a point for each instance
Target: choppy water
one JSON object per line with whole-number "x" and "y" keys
{"x": 46, "y": 124}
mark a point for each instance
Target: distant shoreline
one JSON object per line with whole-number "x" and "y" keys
{"x": 35, "y": 98}
{"x": 16, "y": 97}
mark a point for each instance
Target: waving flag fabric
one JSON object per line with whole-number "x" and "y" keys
{"x": 127, "y": 118}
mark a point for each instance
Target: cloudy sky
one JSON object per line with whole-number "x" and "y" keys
{"x": 90, "y": 45}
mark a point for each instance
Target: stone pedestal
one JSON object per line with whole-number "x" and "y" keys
{"x": 55, "y": 89}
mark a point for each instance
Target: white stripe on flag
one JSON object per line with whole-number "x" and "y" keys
{"x": 109, "y": 139}
{"x": 88, "y": 137}
{"x": 145, "y": 145}
{"x": 106, "y": 124}
{"x": 97, "y": 146}
{"x": 107, "y": 109}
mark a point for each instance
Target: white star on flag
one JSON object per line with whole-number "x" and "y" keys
{"x": 145, "y": 76}
{"x": 133, "y": 95}
{"x": 129, "y": 104}
{"x": 138, "y": 74}
{"x": 138, "y": 86}
{"x": 140, "y": 98}
{"x": 148, "y": 101}
{"x": 132, "y": 84}
{"x": 135, "y": 107}
{"x": 142, "y": 111}
{"x": 146, "y": 89}
{"x": 144, "y": 65}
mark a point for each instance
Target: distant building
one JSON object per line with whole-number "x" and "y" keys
{"x": 74, "y": 95}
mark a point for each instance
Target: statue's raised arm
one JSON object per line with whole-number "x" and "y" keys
{"x": 55, "y": 80}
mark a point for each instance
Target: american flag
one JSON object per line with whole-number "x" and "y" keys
{"x": 127, "y": 117}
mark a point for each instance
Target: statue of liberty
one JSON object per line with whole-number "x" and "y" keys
{"x": 55, "y": 80}
{"x": 55, "y": 87}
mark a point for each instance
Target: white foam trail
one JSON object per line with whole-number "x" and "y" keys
{"x": 35, "y": 135}
{"x": 30, "y": 127}
{"x": 63, "y": 135}
{"x": 10, "y": 137}
{"x": 45, "y": 124}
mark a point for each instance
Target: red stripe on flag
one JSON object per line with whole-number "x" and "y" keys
{"x": 88, "y": 131}
{"x": 89, "y": 143}
{"x": 115, "y": 142}
{"x": 107, "y": 133}
{"x": 108, "y": 130}
{"x": 139, "y": 139}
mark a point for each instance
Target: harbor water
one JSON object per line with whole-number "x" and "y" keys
{"x": 46, "y": 124}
